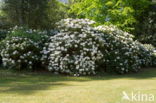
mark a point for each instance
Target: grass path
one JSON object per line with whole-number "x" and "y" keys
{"x": 47, "y": 88}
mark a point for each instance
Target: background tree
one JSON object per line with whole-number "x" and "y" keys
{"x": 55, "y": 11}
{"x": 26, "y": 12}
{"x": 122, "y": 13}
{"x": 146, "y": 29}
{"x": 33, "y": 13}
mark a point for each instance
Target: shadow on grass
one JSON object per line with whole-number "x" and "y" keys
{"x": 28, "y": 83}
{"x": 26, "y": 89}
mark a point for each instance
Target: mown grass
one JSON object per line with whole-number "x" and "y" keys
{"x": 47, "y": 88}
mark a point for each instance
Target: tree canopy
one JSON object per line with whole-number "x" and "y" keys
{"x": 123, "y": 13}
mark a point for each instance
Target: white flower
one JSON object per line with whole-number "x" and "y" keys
{"x": 19, "y": 61}
{"x": 122, "y": 69}
{"x": 118, "y": 58}
{"x": 30, "y": 62}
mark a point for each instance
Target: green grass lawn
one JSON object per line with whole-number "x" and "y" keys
{"x": 48, "y": 88}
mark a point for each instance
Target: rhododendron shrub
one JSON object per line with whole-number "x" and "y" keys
{"x": 126, "y": 54}
{"x": 122, "y": 54}
{"x": 22, "y": 48}
{"x": 20, "y": 53}
{"x": 76, "y": 49}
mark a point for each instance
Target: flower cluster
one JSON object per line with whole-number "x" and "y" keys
{"x": 19, "y": 53}
{"x": 150, "y": 53}
{"x": 145, "y": 53}
{"x": 113, "y": 30}
{"x": 75, "y": 49}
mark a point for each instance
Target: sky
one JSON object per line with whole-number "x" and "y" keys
{"x": 65, "y": 1}
{"x": 0, "y": 1}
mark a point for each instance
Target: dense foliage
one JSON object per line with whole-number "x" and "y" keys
{"x": 3, "y": 34}
{"x": 154, "y": 59}
{"x": 35, "y": 35}
{"x": 122, "y": 13}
